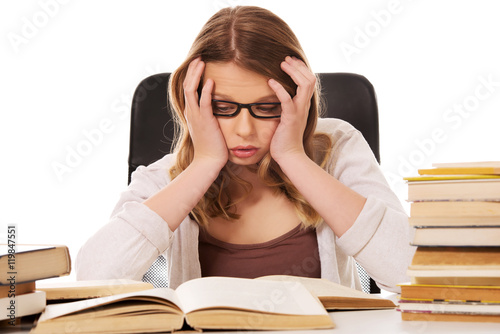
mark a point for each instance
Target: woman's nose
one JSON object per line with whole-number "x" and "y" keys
{"x": 244, "y": 123}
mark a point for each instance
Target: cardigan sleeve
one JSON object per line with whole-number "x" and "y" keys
{"x": 379, "y": 239}
{"x": 134, "y": 236}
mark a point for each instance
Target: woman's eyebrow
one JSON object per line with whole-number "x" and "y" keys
{"x": 268, "y": 98}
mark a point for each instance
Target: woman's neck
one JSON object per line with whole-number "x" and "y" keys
{"x": 248, "y": 174}
{"x": 264, "y": 213}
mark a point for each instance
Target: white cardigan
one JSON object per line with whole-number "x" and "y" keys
{"x": 379, "y": 239}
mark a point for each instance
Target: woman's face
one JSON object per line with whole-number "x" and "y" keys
{"x": 247, "y": 138}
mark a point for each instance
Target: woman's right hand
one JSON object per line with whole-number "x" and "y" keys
{"x": 209, "y": 143}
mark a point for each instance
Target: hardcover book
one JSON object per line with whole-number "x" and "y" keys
{"x": 89, "y": 289}
{"x": 33, "y": 262}
{"x": 442, "y": 258}
{"x": 481, "y": 167}
{"x": 427, "y": 310}
{"x": 16, "y": 289}
{"x": 457, "y": 188}
{"x": 439, "y": 306}
{"x": 426, "y": 316}
{"x": 450, "y": 292}
{"x": 456, "y": 266}
{"x": 455, "y": 209}
{"x": 457, "y": 236}
{"x": 25, "y": 304}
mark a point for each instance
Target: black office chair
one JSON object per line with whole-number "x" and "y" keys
{"x": 348, "y": 96}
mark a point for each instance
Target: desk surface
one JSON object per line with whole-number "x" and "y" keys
{"x": 389, "y": 322}
{"x": 380, "y": 321}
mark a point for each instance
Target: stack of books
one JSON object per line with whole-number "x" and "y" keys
{"x": 20, "y": 267}
{"x": 455, "y": 272}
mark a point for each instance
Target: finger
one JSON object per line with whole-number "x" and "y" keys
{"x": 206, "y": 97}
{"x": 189, "y": 73}
{"x": 193, "y": 75}
{"x": 282, "y": 94}
{"x": 192, "y": 82}
{"x": 302, "y": 76}
{"x": 301, "y": 66}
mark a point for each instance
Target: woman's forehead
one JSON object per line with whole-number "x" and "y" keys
{"x": 236, "y": 83}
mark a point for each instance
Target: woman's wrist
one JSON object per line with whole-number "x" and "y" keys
{"x": 290, "y": 159}
{"x": 208, "y": 166}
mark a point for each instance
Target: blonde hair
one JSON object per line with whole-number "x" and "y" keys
{"x": 258, "y": 40}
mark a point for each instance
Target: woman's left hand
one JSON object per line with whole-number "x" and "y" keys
{"x": 287, "y": 141}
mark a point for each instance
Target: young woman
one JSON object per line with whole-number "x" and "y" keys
{"x": 257, "y": 184}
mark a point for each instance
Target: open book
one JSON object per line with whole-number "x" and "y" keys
{"x": 204, "y": 303}
{"x": 334, "y": 296}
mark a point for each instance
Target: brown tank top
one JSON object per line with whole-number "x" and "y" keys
{"x": 293, "y": 253}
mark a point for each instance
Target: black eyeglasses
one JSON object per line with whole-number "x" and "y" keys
{"x": 257, "y": 110}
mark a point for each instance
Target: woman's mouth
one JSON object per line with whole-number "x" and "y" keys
{"x": 244, "y": 151}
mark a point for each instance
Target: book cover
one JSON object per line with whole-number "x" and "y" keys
{"x": 89, "y": 289}
{"x": 452, "y": 189}
{"x": 455, "y": 277}
{"x": 437, "y": 258}
{"x": 457, "y": 170}
{"x": 16, "y": 289}
{"x": 456, "y": 236}
{"x": 417, "y": 221}
{"x": 28, "y": 263}
{"x": 482, "y": 293}
{"x": 455, "y": 266}
{"x": 457, "y": 307}
{"x": 450, "y": 177}
{"x": 22, "y": 305}
{"x": 467, "y": 164}
{"x": 456, "y": 209}
{"x": 459, "y": 317}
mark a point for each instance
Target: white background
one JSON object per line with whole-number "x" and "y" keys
{"x": 68, "y": 67}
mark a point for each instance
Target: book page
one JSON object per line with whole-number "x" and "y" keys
{"x": 248, "y": 294}
{"x": 322, "y": 287}
{"x": 57, "y": 310}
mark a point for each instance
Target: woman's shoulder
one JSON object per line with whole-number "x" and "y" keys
{"x": 157, "y": 171}
{"x": 335, "y": 127}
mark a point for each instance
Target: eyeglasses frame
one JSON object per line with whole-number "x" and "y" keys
{"x": 247, "y": 106}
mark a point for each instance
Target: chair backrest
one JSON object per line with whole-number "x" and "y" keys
{"x": 348, "y": 96}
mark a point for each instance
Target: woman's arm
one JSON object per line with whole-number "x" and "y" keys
{"x": 152, "y": 208}
{"x": 337, "y": 204}
{"x": 379, "y": 236}
{"x": 174, "y": 202}
{"x": 134, "y": 236}
{"x": 353, "y": 196}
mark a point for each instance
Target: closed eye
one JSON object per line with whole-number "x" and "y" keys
{"x": 272, "y": 109}
{"x": 223, "y": 108}
{"x": 268, "y": 109}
